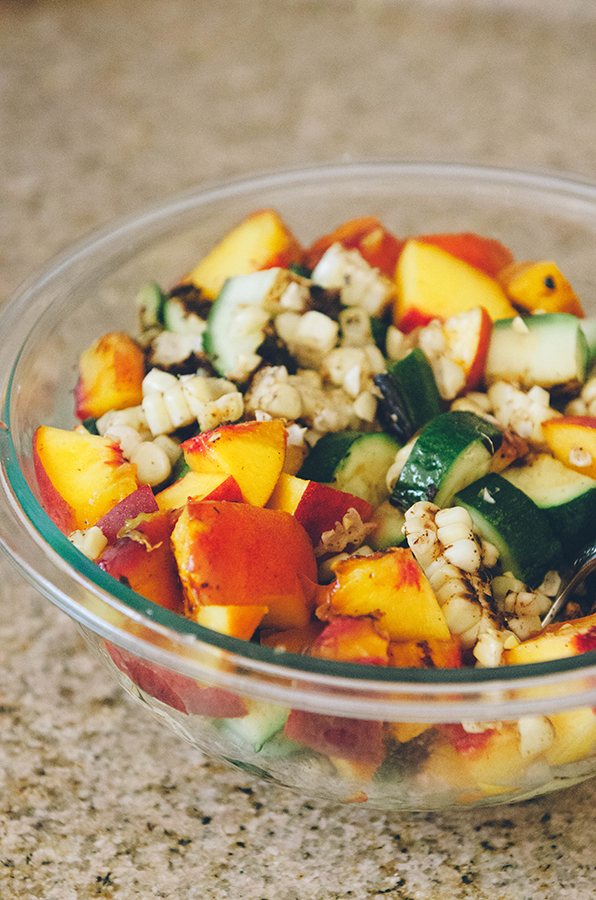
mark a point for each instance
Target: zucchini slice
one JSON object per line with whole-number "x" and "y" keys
{"x": 547, "y": 349}
{"x": 567, "y": 497}
{"x": 506, "y": 517}
{"x": 353, "y": 461}
{"x": 454, "y": 450}
{"x": 410, "y": 396}
{"x": 232, "y": 332}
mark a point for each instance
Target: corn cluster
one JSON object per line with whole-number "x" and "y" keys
{"x": 359, "y": 283}
{"x": 455, "y": 562}
{"x": 169, "y": 403}
{"x": 321, "y": 405}
{"x": 585, "y": 404}
{"x": 523, "y": 412}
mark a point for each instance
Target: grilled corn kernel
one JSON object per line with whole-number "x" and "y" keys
{"x": 157, "y": 381}
{"x": 153, "y": 465}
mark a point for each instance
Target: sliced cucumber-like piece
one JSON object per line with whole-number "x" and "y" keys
{"x": 237, "y": 320}
{"x": 179, "y": 318}
{"x": 353, "y": 461}
{"x": 150, "y": 302}
{"x": 389, "y": 527}
{"x": 567, "y": 497}
{"x": 454, "y": 450}
{"x": 410, "y": 396}
{"x": 262, "y": 721}
{"x": 547, "y": 349}
{"x": 588, "y": 326}
{"x": 506, "y": 517}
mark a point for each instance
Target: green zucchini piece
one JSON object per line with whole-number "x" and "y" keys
{"x": 180, "y": 318}
{"x": 259, "y": 725}
{"x": 389, "y": 527}
{"x": 410, "y": 396}
{"x": 567, "y": 497}
{"x": 506, "y": 517}
{"x": 454, "y": 450}
{"x": 230, "y": 334}
{"x": 379, "y": 329}
{"x": 150, "y": 302}
{"x": 353, "y": 461}
{"x": 588, "y": 326}
{"x": 548, "y": 349}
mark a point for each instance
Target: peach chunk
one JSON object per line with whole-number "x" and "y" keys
{"x": 427, "y": 654}
{"x": 356, "y": 740}
{"x": 143, "y": 559}
{"x": 378, "y": 246}
{"x": 111, "y": 376}
{"x": 80, "y": 476}
{"x": 347, "y": 639}
{"x": 433, "y": 283}
{"x": 293, "y": 640}
{"x": 316, "y": 506}
{"x": 486, "y": 254}
{"x": 175, "y": 690}
{"x": 572, "y": 440}
{"x": 557, "y": 641}
{"x": 539, "y": 285}
{"x": 391, "y": 587}
{"x": 235, "y": 621}
{"x": 233, "y": 554}
{"x": 199, "y": 486}
{"x": 261, "y": 241}
{"x": 251, "y": 452}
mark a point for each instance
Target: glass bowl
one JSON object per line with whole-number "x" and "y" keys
{"x": 229, "y": 697}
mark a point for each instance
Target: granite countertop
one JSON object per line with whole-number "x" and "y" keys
{"x": 106, "y": 106}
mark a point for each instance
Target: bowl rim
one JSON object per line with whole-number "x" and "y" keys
{"x": 23, "y": 512}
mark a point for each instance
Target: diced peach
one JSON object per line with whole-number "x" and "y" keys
{"x": 236, "y": 621}
{"x": 434, "y": 283}
{"x": 80, "y": 476}
{"x": 572, "y": 440}
{"x": 486, "y": 254}
{"x": 140, "y": 502}
{"x": 143, "y": 559}
{"x": 574, "y": 738}
{"x": 378, "y": 246}
{"x": 251, "y": 452}
{"x": 559, "y": 640}
{"x": 294, "y": 640}
{"x": 261, "y": 241}
{"x": 427, "y": 654}
{"x": 177, "y": 691}
{"x": 489, "y": 761}
{"x": 539, "y": 285}
{"x": 199, "y": 486}
{"x": 407, "y": 731}
{"x": 316, "y": 506}
{"x": 347, "y": 639}
{"x": 236, "y": 554}
{"x": 111, "y": 376}
{"x": 467, "y": 339}
{"x": 391, "y": 587}
{"x": 357, "y": 740}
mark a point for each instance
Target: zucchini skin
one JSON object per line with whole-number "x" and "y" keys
{"x": 410, "y": 396}
{"x": 356, "y": 462}
{"x": 506, "y": 517}
{"x": 452, "y": 441}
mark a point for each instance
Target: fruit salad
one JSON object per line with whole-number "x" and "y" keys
{"x": 375, "y": 449}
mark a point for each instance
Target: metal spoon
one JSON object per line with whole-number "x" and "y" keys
{"x": 585, "y": 563}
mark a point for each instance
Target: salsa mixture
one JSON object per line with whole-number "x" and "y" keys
{"x": 375, "y": 449}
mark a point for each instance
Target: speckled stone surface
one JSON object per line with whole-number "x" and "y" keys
{"x": 105, "y": 106}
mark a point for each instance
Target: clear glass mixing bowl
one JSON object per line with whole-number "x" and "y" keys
{"x": 222, "y": 694}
